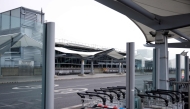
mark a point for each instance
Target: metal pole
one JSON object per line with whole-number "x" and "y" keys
{"x": 186, "y": 68}
{"x": 122, "y": 70}
{"x": 0, "y": 67}
{"x": 178, "y": 70}
{"x": 82, "y": 67}
{"x": 92, "y": 67}
{"x": 48, "y": 66}
{"x": 130, "y": 75}
{"x": 156, "y": 68}
{"x": 119, "y": 67}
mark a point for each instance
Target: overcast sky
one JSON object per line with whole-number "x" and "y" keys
{"x": 86, "y": 21}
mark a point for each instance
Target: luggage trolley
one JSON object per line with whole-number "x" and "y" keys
{"x": 156, "y": 99}
{"x": 116, "y": 97}
{"x": 183, "y": 87}
{"x": 92, "y": 103}
{"x": 173, "y": 99}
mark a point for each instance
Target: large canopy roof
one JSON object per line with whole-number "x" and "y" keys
{"x": 151, "y": 15}
{"x": 93, "y": 55}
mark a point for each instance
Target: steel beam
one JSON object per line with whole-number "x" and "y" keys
{"x": 180, "y": 34}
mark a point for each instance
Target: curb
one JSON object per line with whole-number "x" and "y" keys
{"x": 58, "y": 79}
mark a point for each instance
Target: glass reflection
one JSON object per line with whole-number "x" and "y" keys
{"x": 20, "y": 60}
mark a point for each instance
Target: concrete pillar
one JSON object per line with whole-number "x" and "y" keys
{"x": 130, "y": 75}
{"x": 156, "y": 68}
{"x": 92, "y": 67}
{"x": 48, "y": 66}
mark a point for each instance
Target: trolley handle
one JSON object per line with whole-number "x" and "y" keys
{"x": 109, "y": 95}
{"x": 173, "y": 93}
{"x": 118, "y": 89}
{"x": 108, "y": 90}
{"x": 143, "y": 95}
{"x": 182, "y": 94}
{"x": 138, "y": 91}
{"x": 162, "y": 93}
{"x": 124, "y": 87}
{"x": 104, "y": 90}
{"x": 103, "y": 99}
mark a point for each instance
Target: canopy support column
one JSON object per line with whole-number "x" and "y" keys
{"x": 163, "y": 46}
{"x": 82, "y": 68}
{"x": 119, "y": 67}
{"x": 92, "y": 67}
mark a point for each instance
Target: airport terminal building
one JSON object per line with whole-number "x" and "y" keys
{"x": 22, "y": 30}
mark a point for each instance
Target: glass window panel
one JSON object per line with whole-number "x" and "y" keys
{"x": 15, "y": 18}
{"x": 5, "y": 20}
{"x": 21, "y": 63}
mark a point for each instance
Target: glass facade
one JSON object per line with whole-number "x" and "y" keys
{"x": 21, "y": 42}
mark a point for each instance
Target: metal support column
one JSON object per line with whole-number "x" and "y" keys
{"x": 130, "y": 75}
{"x": 48, "y": 66}
{"x": 186, "y": 68}
{"x": 119, "y": 67}
{"x": 92, "y": 67}
{"x": 178, "y": 70}
{"x": 82, "y": 67}
{"x": 122, "y": 69}
{"x": 156, "y": 68}
{"x": 164, "y": 64}
{"x": 0, "y": 67}
{"x": 178, "y": 67}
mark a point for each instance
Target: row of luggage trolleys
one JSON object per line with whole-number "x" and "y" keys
{"x": 114, "y": 98}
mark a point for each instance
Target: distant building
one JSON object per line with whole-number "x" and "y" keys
{"x": 145, "y": 53}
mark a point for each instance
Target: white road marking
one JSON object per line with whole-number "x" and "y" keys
{"x": 111, "y": 82}
{"x": 69, "y": 90}
{"x": 15, "y": 92}
{"x": 73, "y": 86}
{"x": 31, "y": 87}
{"x": 11, "y": 106}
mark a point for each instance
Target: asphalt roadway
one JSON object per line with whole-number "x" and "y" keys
{"x": 28, "y": 95}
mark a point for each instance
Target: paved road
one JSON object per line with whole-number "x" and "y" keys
{"x": 28, "y": 95}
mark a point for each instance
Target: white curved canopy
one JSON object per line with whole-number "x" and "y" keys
{"x": 151, "y": 15}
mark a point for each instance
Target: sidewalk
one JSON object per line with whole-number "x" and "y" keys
{"x": 17, "y": 79}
